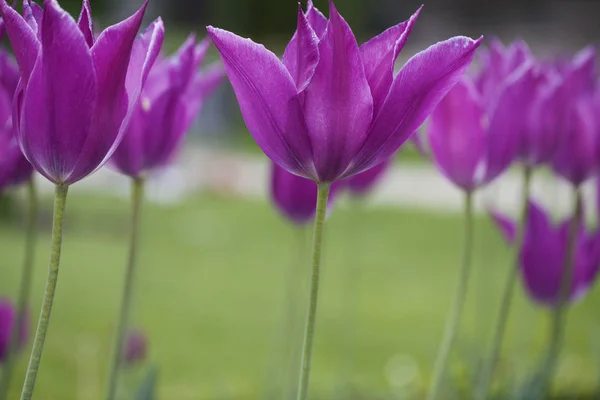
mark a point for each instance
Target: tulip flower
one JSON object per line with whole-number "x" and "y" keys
{"x": 362, "y": 183}
{"x": 169, "y": 103}
{"x": 559, "y": 263}
{"x": 136, "y": 348}
{"x": 8, "y": 317}
{"x": 571, "y": 117}
{"x": 64, "y": 69}
{"x": 330, "y": 108}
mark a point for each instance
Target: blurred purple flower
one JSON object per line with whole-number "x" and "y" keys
{"x": 14, "y": 168}
{"x": 76, "y": 94}
{"x": 473, "y": 144}
{"x": 362, "y": 183}
{"x": 7, "y": 321}
{"x": 136, "y": 348}
{"x": 571, "y": 115}
{"x": 296, "y": 197}
{"x": 170, "y": 102}
{"x": 543, "y": 255}
{"x": 332, "y": 109}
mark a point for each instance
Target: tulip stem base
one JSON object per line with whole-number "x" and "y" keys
{"x": 25, "y": 288}
{"x": 137, "y": 195}
{"x": 311, "y": 315}
{"x": 508, "y": 293}
{"x": 560, "y": 310}
{"x": 460, "y": 295}
{"x": 60, "y": 201}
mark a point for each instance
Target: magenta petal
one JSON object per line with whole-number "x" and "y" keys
{"x": 379, "y": 55}
{"x": 32, "y": 13}
{"x": 302, "y": 53}
{"x": 338, "y": 105}
{"x": 361, "y": 184}
{"x": 417, "y": 89}
{"x": 295, "y": 197}
{"x": 507, "y": 226}
{"x": 86, "y": 23}
{"x": 202, "y": 87}
{"x": 457, "y": 135}
{"x": 268, "y": 101}
{"x": 23, "y": 39}
{"x": 507, "y": 125}
{"x": 51, "y": 134}
{"x": 317, "y": 20}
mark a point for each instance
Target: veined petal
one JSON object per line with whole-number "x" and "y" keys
{"x": 317, "y": 20}
{"x": 457, "y": 134}
{"x": 23, "y": 39}
{"x": 417, "y": 89}
{"x": 508, "y": 122}
{"x": 32, "y": 13}
{"x": 111, "y": 54}
{"x": 63, "y": 80}
{"x": 301, "y": 55}
{"x": 85, "y": 22}
{"x": 268, "y": 101}
{"x": 338, "y": 105}
{"x": 379, "y": 55}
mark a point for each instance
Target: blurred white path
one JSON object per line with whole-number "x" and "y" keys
{"x": 409, "y": 185}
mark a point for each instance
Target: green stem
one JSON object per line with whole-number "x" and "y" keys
{"x": 60, "y": 200}
{"x": 458, "y": 304}
{"x": 508, "y": 294}
{"x": 24, "y": 290}
{"x": 137, "y": 195}
{"x": 311, "y": 317}
{"x": 559, "y": 313}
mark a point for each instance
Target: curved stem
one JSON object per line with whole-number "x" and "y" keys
{"x": 508, "y": 293}
{"x": 311, "y": 316}
{"x": 560, "y": 310}
{"x": 137, "y": 195}
{"x": 25, "y": 289}
{"x": 60, "y": 200}
{"x": 458, "y": 304}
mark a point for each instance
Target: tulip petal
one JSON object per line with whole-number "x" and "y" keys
{"x": 379, "y": 55}
{"x": 52, "y": 134}
{"x": 457, "y": 135}
{"x": 111, "y": 54}
{"x": 507, "y": 226}
{"x": 507, "y": 126}
{"x": 202, "y": 87}
{"x": 317, "y": 20}
{"x": 337, "y": 103}
{"x": 294, "y": 196}
{"x": 32, "y": 13}
{"x": 85, "y": 22}
{"x": 268, "y": 101}
{"x": 23, "y": 39}
{"x": 417, "y": 89}
{"x": 301, "y": 55}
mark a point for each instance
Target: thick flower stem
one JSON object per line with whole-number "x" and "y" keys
{"x": 137, "y": 195}
{"x": 311, "y": 316}
{"x": 458, "y": 304}
{"x": 60, "y": 200}
{"x": 560, "y": 310}
{"x": 508, "y": 293}
{"x": 25, "y": 287}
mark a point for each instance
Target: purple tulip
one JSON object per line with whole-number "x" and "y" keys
{"x": 170, "y": 102}
{"x": 362, "y": 183}
{"x": 571, "y": 116}
{"x": 14, "y": 168}
{"x": 7, "y": 321}
{"x": 296, "y": 197}
{"x": 543, "y": 255}
{"x": 136, "y": 348}
{"x": 332, "y": 109}
{"x": 76, "y": 93}
{"x": 473, "y": 144}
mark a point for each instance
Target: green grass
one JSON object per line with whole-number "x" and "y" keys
{"x": 210, "y": 294}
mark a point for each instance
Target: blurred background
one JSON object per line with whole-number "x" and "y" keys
{"x": 218, "y": 263}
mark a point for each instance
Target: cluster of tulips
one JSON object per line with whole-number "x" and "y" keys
{"x": 330, "y": 114}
